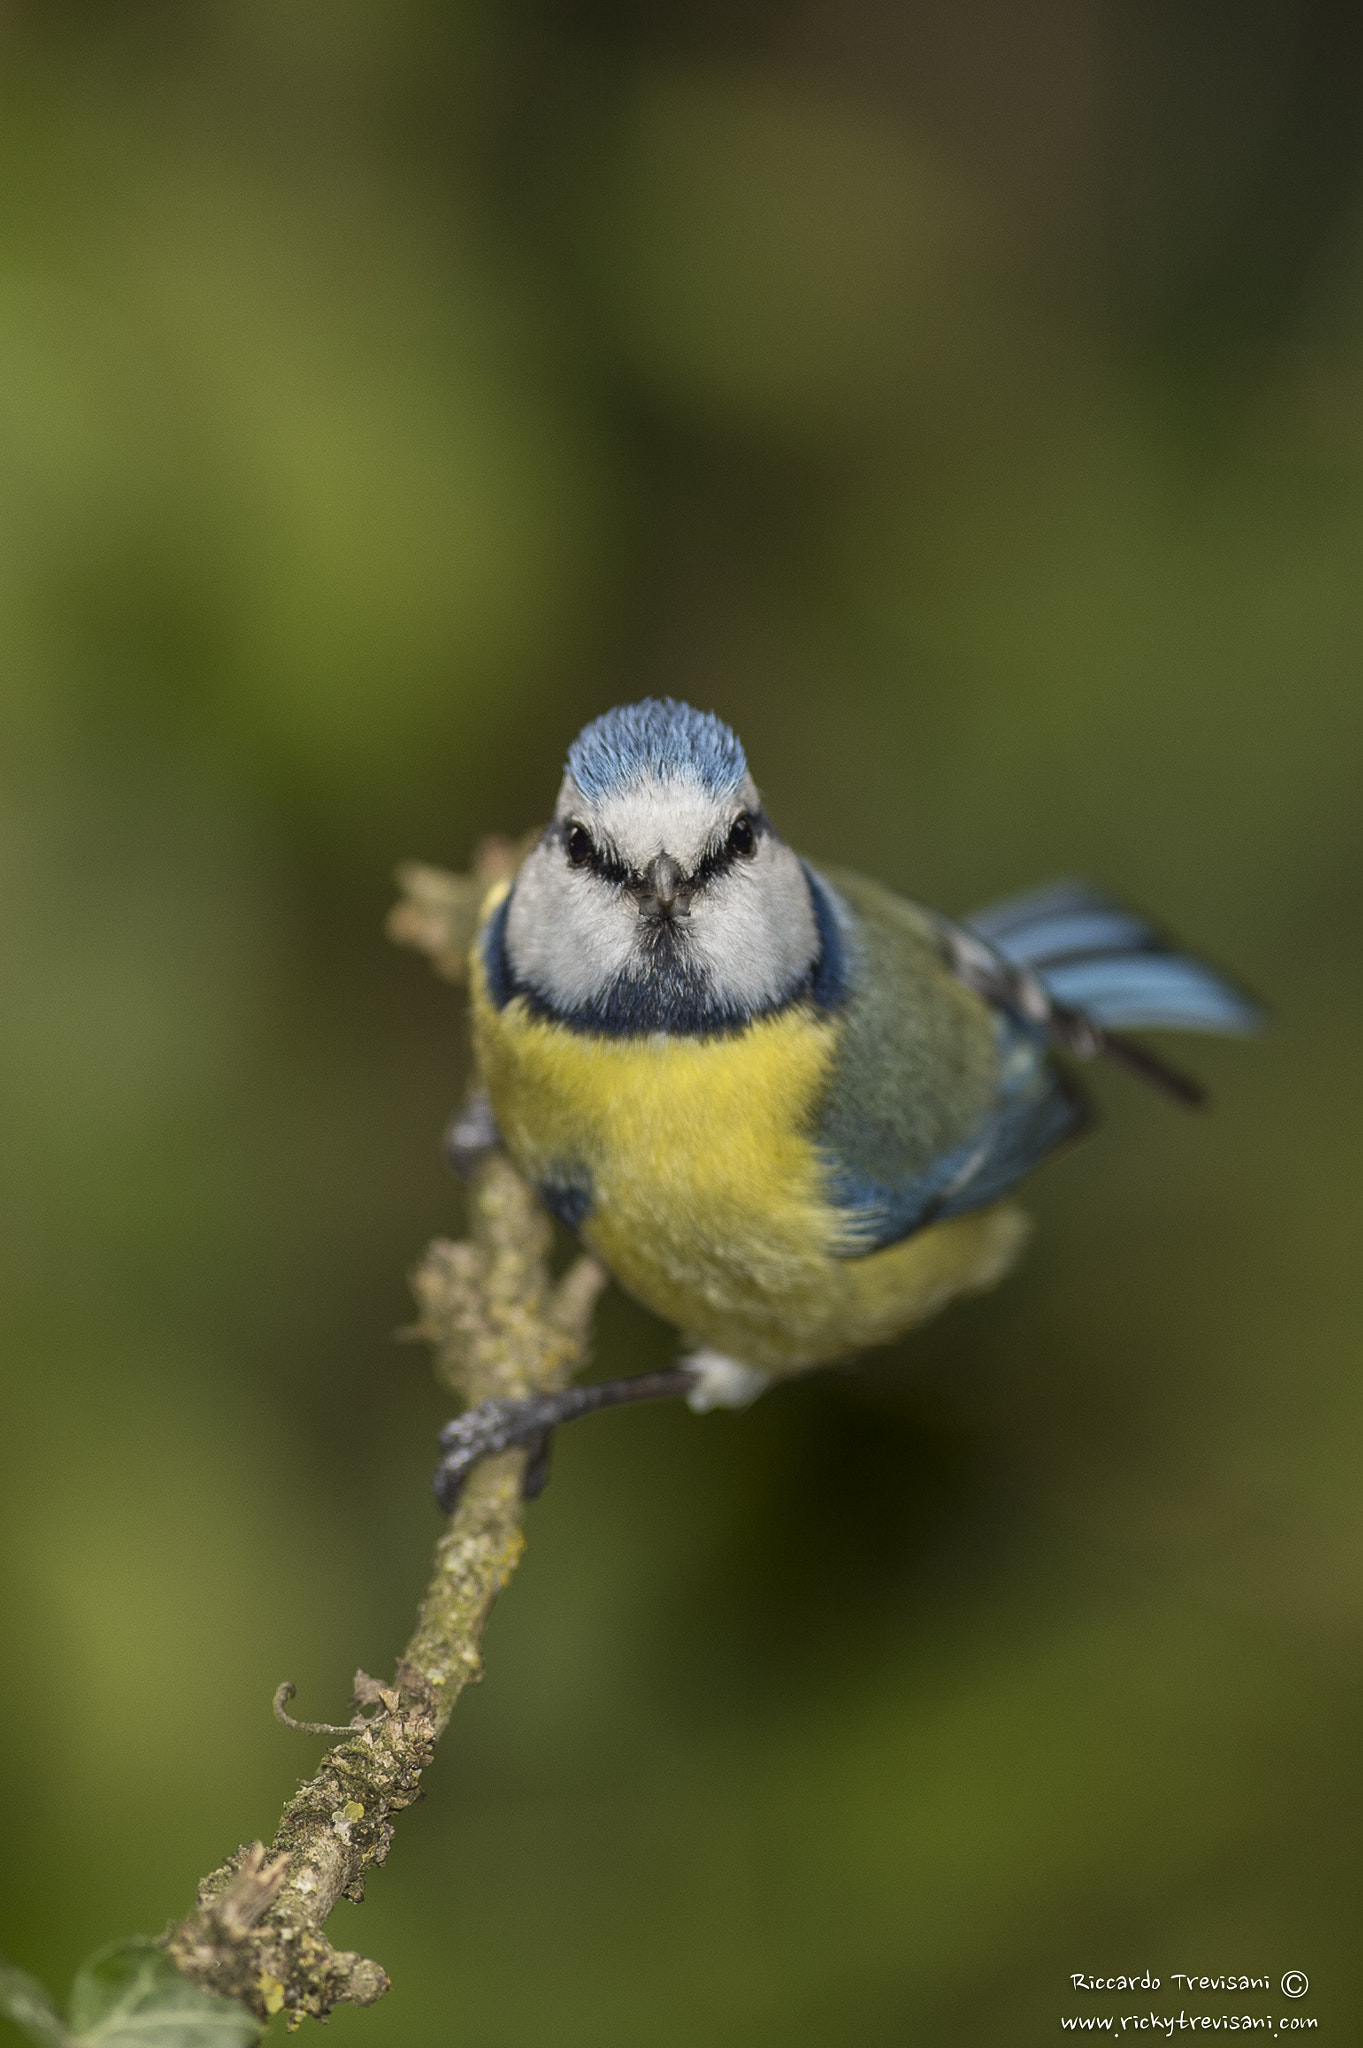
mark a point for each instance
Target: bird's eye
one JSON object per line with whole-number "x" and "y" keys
{"x": 580, "y": 848}
{"x": 742, "y": 838}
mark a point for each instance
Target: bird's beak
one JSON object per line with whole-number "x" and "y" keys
{"x": 664, "y": 893}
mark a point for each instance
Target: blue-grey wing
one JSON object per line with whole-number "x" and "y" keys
{"x": 1037, "y": 1109}
{"x": 925, "y": 1121}
{"x": 941, "y": 1102}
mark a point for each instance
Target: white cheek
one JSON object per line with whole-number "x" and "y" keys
{"x": 751, "y": 935}
{"x": 755, "y": 932}
{"x": 567, "y": 934}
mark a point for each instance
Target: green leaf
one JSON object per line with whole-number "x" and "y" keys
{"x": 25, "y": 2001}
{"x": 132, "y": 1996}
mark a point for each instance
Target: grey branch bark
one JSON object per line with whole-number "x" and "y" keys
{"x": 499, "y": 1326}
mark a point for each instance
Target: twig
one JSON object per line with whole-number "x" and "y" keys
{"x": 437, "y": 912}
{"x": 499, "y": 1327}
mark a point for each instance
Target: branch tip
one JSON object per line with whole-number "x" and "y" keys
{"x": 285, "y": 1692}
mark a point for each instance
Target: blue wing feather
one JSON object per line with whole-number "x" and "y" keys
{"x": 1090, "y": 953}
{"x": 1025, "y": 1133}
{"x": 1037, "y": 1110}
{"x": 942, "y": 1102}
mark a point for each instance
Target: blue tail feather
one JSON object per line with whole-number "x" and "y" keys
{"x": 1095, "y": 955}
{"x": 1150, "y": 990}
{"x": 1064, "y": 917}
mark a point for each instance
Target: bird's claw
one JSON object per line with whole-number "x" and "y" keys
{"x": 502, "y": 1425}
{"x": 471, "y": 1134}
{"x": 495, "y": 1426}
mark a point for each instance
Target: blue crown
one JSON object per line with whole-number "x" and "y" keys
{"x": 654, "y": 739}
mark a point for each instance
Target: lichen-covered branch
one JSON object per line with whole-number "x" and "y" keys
{"x": 499, "y": 1326}
{"x": 437, "y": 912}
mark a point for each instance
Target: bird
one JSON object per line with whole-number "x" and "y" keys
{"x": 785, "y": 1106}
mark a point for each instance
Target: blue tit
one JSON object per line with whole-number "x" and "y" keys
{"x": 784, "y": 1106}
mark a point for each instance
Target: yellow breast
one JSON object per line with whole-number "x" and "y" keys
{"x": 707, "y": 1195}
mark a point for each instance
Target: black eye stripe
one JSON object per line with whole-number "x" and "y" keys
{"x": 594, "y": 859}
{"x": 608, "y": 866}
{"x": 720, "y": 859}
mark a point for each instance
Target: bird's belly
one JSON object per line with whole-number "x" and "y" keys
{"x": 701, "y": 1186}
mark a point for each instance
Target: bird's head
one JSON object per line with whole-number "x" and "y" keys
{"x": 660, "y": 897}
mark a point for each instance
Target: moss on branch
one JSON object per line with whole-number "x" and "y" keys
{"x": 499, "y": 1326}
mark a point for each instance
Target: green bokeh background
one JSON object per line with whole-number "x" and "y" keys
{"x": 967, "y": 402}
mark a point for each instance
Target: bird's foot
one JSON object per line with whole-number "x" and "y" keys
{"x": 471, "y": 1134}
{"x": 505, "y": 1425}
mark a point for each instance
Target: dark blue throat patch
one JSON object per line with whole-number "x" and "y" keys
{"x": 652, "y": 740}
{"x": 673, "y": 996}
